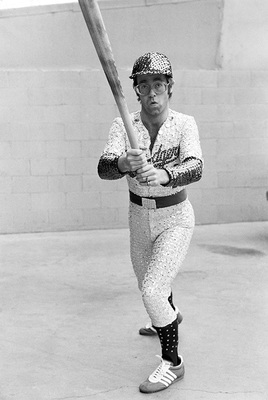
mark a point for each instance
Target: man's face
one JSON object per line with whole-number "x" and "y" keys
{"x": 153, "y": 104}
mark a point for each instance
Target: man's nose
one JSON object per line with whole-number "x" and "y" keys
{"x": 152, "y": 92}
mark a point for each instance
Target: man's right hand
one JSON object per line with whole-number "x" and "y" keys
{"x": 132, "y": 160}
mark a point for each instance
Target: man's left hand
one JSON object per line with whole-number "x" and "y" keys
{"x": 151, "y": 176}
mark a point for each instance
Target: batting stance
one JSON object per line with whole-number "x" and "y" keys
{"x": 161, "y": 218}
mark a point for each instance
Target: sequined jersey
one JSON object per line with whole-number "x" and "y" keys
{"x": 176, "y": 149}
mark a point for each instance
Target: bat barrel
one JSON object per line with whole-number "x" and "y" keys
{"x": 95, "y": 24}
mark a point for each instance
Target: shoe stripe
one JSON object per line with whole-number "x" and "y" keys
{"x": 172, "y": 374}
{"x": 164, "y": 382}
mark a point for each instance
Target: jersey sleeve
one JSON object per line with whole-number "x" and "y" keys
{"x": 190, "y": 162}
{"x": 114, "y": 148}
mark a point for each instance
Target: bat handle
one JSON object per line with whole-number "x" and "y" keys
{"x": 123, "y": 109}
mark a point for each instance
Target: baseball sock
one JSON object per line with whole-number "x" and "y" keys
{"x": 169, "y": 339}
{"x": 170, "y": 300}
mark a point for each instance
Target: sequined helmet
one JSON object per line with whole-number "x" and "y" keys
{"x": 151, "y": 63}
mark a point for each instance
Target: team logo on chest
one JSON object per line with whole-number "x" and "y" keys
{"x": 162, "y": 157}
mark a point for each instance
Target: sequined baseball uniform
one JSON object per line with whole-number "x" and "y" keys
{"x": 159, "y": 238}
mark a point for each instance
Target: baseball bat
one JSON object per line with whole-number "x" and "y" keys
{"x": 99, "y": 36}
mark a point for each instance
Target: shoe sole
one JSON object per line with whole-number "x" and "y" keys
{"x": 165, "y": 387}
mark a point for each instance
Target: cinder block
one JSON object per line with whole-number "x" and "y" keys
{"x": 121, "y": 185}
{"x": 15, "y": 201}
{"x": 47, "y": 201}
{"x": 5, "y": 150}
{"x": 233, "y": 147}
{"x": 98, "y": 218}
{"x": 227, "y": 213}
{"x": 217, "y": 96}
{"x": 63, "y": 220}
{"x": 189, "y": 95}
{"x": 13, "y": 96}
{"x": 3, "y": 79}
{"x": 246, "y": 161}
{"x": 209, "y": 179}
{"x": 103, "y": 96}
{"x": 122, "y": 217}
{"x": 28, "y": 150}
{"x": 26, "y": 131}
{"x": 95, "y": 184}
{"x": 81, "y": 131}
{"x": 26, "y": 114}
{"x": 253, "y": 128}
{"x": 114, "y": 199}
{"x": 29, "y": 184}
{"x": 205, "y": 215}
{"x": 46, "y": 131}
{"x": 93, "y": 78}
{"x": 259, "y": 111}
{"x": 82, "y": 200}
{"x": 96, "y": 113}
{"x": 216, "y": 129}
{"x": 62, "y": 114}
{"x": 92, "y": 148}
{"x": 233, "y": 79}
{"x": 259, "y": 78}
{"x": 225, "y": 113}
{"x": 78, "y": 166}
{"x": 65, "y": 184}
{"x": 5, "y": 134}
{"x": 14, "y": 167}
{"x": 224, "y": 162}
{"x": 241, "y": 178}
{"x": 45, "y": 96}
{"x": 258, "y": 146}
{"x": 5, "y": 185}
{"x": 196, "y": 78}
{"x": 5, "y": 115}
{"x": 47, "y": 167}
{"x": 61, "y": 78}
{"x": 250, "y": 95}
{"x": 6, "y": 219}
{"x": 59, "y": 149}
{"x": 30, "y": 221}
{"x": 209, "y": 147}
{"x": 26, "y": 79}
{"x": 202, "y": 113}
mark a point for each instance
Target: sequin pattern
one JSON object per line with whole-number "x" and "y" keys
{"x": 159, "y": 238}
{"x": 151, "y": 63}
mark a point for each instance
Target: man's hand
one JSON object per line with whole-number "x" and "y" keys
{"x": 148, "y": 175}
{"x": 132, "y": 160}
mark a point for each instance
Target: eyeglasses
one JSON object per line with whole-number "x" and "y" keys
{"x": 158, "y": 87}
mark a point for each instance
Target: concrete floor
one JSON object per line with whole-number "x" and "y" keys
{"x": 70, "y": 312}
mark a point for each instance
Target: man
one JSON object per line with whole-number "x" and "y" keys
{"x": 161, "y": 218}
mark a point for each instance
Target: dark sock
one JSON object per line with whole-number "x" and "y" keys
{"x": 169, "y": 339}
{"x": 170, "y": 300}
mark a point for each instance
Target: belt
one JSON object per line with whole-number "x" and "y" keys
{"x": 158, "y": 202}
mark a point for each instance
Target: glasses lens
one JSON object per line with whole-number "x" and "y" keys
{"x": 143, "y": 89}
{"x": 158, "y": 87}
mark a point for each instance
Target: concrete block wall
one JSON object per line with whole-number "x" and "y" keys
{"x": 56, "y": 108}
{"x": 54, "y": 124}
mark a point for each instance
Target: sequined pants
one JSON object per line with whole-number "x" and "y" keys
{"x": 159, "y": 240}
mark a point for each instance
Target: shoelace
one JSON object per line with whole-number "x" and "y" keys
{"x": 160, "y": 371}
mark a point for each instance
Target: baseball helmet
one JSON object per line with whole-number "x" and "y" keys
{"x": 151, "y": 63}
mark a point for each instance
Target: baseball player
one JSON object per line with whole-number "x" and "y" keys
{"x": 161, "y": 218}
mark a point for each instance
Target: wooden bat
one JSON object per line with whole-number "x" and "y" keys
{"x": 95, "y": 24}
